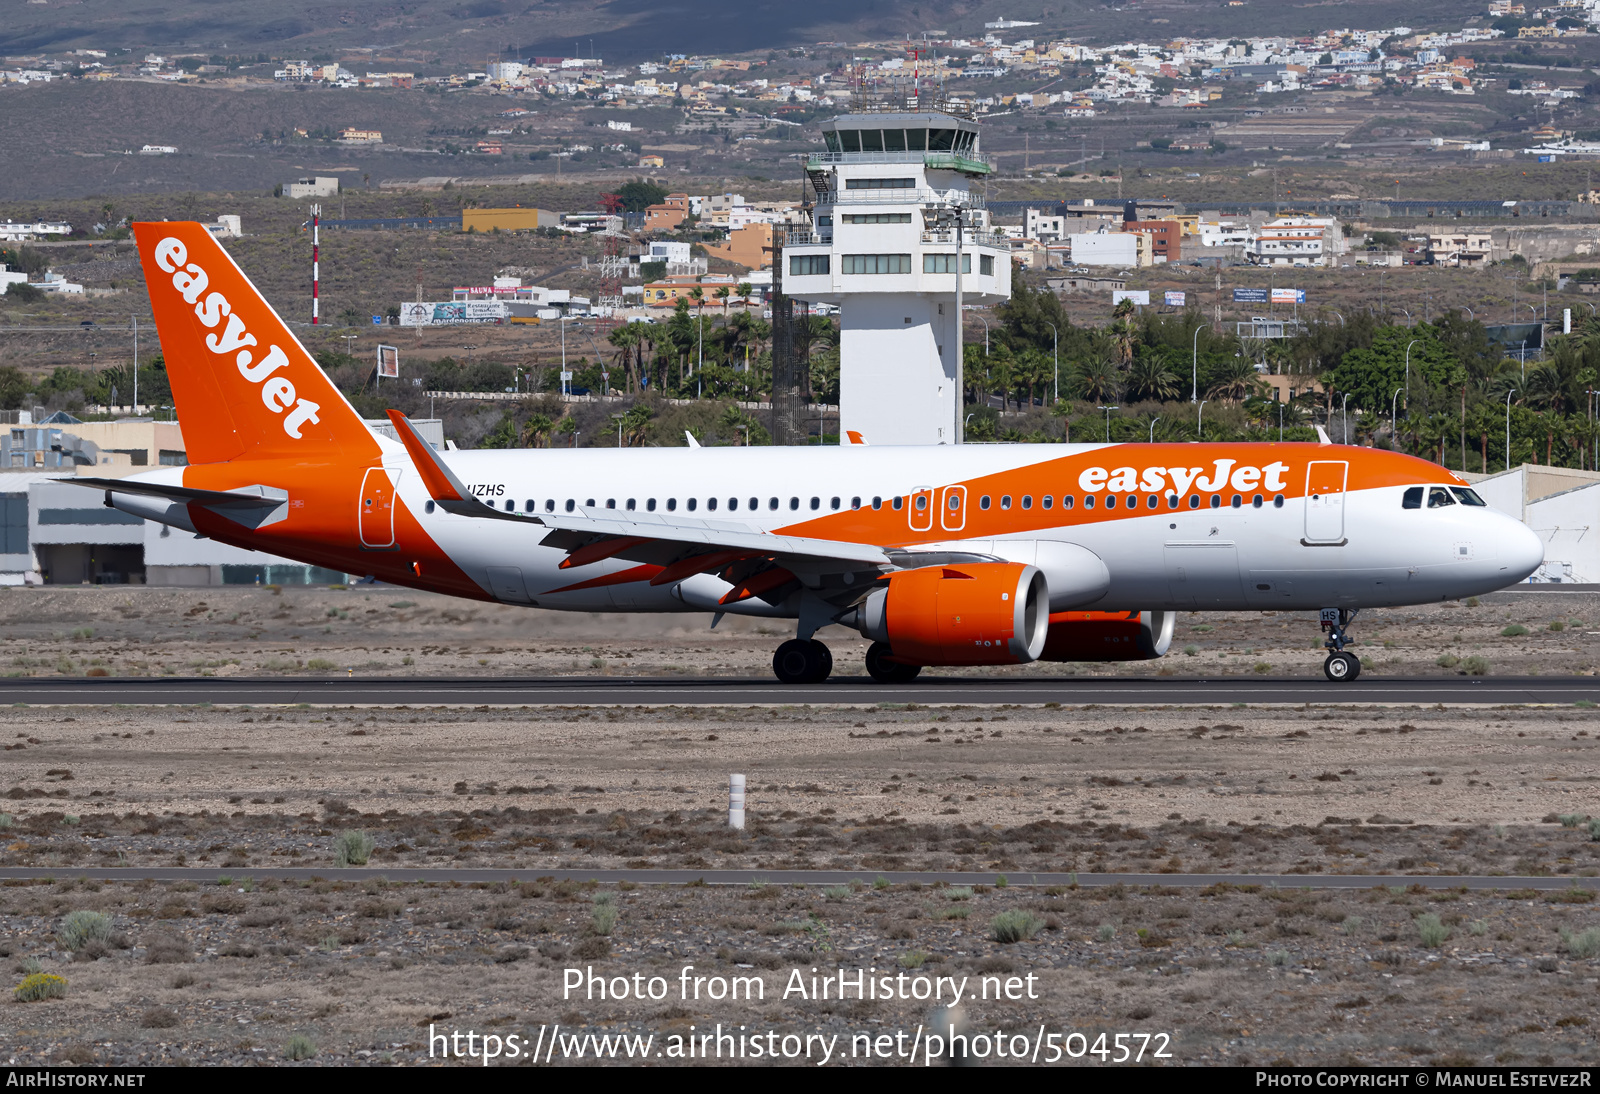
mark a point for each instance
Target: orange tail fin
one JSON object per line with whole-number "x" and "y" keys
{"x": 245, "y": 387}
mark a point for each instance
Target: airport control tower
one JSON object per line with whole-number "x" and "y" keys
{"x": 893, "y": 204}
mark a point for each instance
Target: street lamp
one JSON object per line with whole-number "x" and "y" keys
{"x": 1413, "y": 342}
{"x": 1394, "y": 420}
{"x": 1510, "y": 393}
{"x": 1108, "y": 410}
{"x": 1344, "y": 418}
{"x": 562, "y": 321}
{"x": 1470, "y": 313}
{"x": 1341, "y": 320}
{"x": 1153, "y": 422}
{"x": 1055, "y": 352}
{"x": 1199, "y": 418}
{"x": 1194, "y": 363}
{"x": 985, "y": 323}
{"x": 618, "y": 419}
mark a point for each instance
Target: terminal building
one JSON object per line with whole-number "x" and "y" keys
{"x": 53, "y": 532}
{"x": 891, "y": 188}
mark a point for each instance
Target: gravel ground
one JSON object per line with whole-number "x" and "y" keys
{"x": 357, "y": 972}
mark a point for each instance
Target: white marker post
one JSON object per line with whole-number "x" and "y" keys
{"x": 736, "y": 802}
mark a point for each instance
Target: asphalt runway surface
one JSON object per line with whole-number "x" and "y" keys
{"x": 468, "y": 876}
{"x": 702, "y": 691}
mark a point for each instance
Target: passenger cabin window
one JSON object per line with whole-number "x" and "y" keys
{"x": 692, "y": 503}
{"x": 1467, "y": 497}
{"x": 1088, "y": 501}
{"x": 816, "y": 503}
{"x": 877, "y": 502}
{"x": 571, "y": 505}
{"x": 1005, "y": 501}
{"x": 611, "y": 503}
{"x": 650, "y": 505}
{"x": 1111, "y": 501}
{"x": 672, "y": 503}
{"x": 1047, "y": 501}
{"x": 1066, "y": 501}
{"x": 983, "y": 502}
{"x": 550, "y": 505}
{"x": 630, "y": 505}
{"x": 1413, "y": 498}
{"x": 855, "y": 503}
{"x": 772, "y": 503}
{"x": 1439, "y": 497}
{"x": 833, "y": 503}
{"x": 899, "y": 503}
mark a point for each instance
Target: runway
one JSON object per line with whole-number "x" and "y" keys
{"x": 467, "y": 876}
{"x": 702, "y": 691}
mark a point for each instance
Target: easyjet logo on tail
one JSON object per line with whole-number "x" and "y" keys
{"x": 277, "y": 392}
{"x": 1154, "y": 480}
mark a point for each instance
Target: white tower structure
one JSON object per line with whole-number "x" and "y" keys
{"x": 894, "y": 205}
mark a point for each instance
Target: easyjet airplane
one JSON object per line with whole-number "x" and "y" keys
{"x": 958, "y": 555}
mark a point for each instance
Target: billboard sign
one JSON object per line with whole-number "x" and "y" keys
{"x": 1288, "y": 296}
{"x": 389, "y": 362}
{"x": 420, "y": 314}
{"x": 1251, "y": 296}
{"x": 1174, "y": 299}
{"x": 1137, "y": 296}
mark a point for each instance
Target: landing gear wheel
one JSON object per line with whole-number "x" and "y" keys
{"x": 1341, "y": 667}
{"x": 885, "y": 671}
{"x": 802, "y": 661}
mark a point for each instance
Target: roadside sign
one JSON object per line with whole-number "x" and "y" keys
{"x": 388, "y": 362}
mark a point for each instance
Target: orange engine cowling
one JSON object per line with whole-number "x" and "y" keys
{"x": 1108, "y": 636}
{"x": 986, "y": 613}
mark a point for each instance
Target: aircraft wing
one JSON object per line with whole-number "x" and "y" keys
{"x": 678, "y": 547}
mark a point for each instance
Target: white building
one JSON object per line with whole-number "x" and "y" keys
{"x": 56, "y": 283}
{"x": 882, "y": 246}
{"x": 1295, "y": 241}
{"x": 15, "y": 231}
{"x": 159, "y": 150}
{"x": 8, "y": 278}
{"x": 1105, "y": 248}
{"x": 318, "y": 187}
{"x": 1562, "y": 505}
{"x": 1046, "y": 229}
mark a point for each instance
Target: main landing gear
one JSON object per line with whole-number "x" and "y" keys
{"x": 884, "y": 671}
{"x": 802, "y": 661}
{"x": 1341, "y": 666}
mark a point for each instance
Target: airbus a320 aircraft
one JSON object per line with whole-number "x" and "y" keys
{"x": 950, "y": 555}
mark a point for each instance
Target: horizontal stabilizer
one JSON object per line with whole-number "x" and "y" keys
{"x": 245, "y": 497}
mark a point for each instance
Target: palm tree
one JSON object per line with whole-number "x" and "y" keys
{"x": 1122, "y": 332}
{"x": 1095, "y": 380}
{"x": 1149, "y": 378}
{"x": 744, "y": 290}
{"x": 1234, "y": 380}
{"x": 626, "y": 338}
{"x": 722, "y": 294}
{"x": 536, "y": 431}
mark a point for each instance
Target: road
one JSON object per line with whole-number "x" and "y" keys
{"x": 931, "y": 690}
{"x": 467, "y": 876}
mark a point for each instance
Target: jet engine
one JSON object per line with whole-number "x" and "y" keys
{"x": 1108, "y": 636}
{"x": 985, "y": 613}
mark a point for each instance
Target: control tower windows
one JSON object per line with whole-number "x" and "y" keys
{"x": 941, "y": 140}
{"x": 876, "y": 264}
{"x": 872, "y": 140}
{"x": 916, "y": 140}
{"x": 985, "y": 265}
{"x": 946, "y": 264}
{"x": 894, "y": 140}
{"x": 850, "y": 139}
{"x": 806, "y": 265}
{"x": 877, "y": 218}
{"x": 880, "y": 184}
{"x": 832, "y": 140}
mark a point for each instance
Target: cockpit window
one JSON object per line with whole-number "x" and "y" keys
{"x": 1439, "y": 497}
{"x": 1467, "y": 497}
{"x": 1413, "y": 498}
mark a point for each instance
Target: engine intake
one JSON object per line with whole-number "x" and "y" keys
{"x": 1108, "y": 636}
{"x": 985, "y": 613}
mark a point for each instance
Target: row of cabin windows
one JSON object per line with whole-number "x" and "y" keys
{"x": 1151, "y": 501}
{"x": 920, "y": 502}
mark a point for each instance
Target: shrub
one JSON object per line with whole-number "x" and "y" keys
{"x": 605, "y": 913}
{"x": 1015, "y": 925}
{"x": 1582, "y": 944}
{"x": 959, "y": 892}
{"x": 881, "y": 882}
{"x": 1594, "y": 829}
{"x": 158, "y": 1018}
{"x": 1106, "y": 932}
{"x": 1432, "y": 931}
{"x": 6, "y": 821}
{"x": 1571, "y": 820}
{"x": 1475, "y": 666}
{"x": 319, "y": 664}
{"x": 913, "y": 959}
{"x": 1190, "y": 651}
{"x": 300, "y": 1047}
{"x": 1262, "y": 668}
{"x": 41, "y": 985}
{"x": 82, "y": 927}
{"x": 1558, "y": 626}
{"x": 833, "y": 894}
{"x": 1478, "y": 928}
{"x": 352, "y": 848}
{"x": 167, "y": 950}
{"x": 1448, "y": 661}
{"x": 1514, "y": 630}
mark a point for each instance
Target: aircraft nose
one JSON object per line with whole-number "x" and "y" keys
{"x": 1521, "y": 550}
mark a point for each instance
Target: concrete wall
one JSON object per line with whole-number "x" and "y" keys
{"x": 899, "y": 387}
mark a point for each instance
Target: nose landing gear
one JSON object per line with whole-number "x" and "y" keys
{"x": 802, "y": 661}
{"x": 1340, "y": 667}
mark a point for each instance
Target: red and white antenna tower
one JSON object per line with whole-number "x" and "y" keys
{"x": 316, "y": 219}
